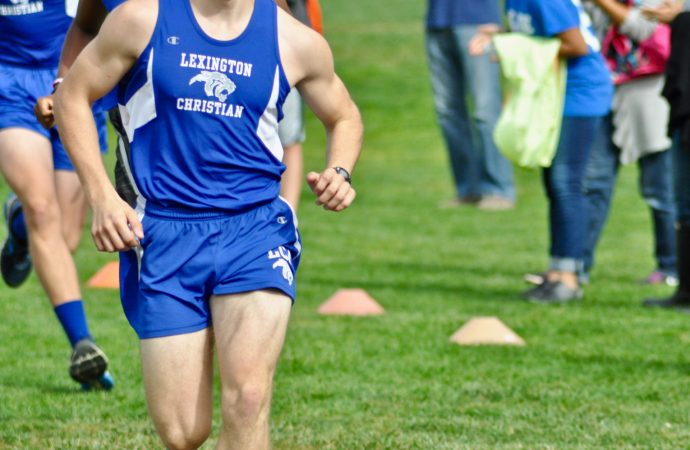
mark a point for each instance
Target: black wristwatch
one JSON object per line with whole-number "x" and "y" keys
{"x": 344, "y": 173}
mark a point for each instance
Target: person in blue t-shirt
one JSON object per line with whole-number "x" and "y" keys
{"x": 589, "y": 92}
{"x": 482, "y": 175}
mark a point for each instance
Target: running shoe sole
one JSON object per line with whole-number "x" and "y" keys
{"x": 105, "y": 383}
{"x": 88, "y": 363}
{"x": 15, "y": 270}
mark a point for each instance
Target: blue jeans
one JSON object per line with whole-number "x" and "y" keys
{"x": 656, "y": 187}
{"x": 681, "y": 176}
{"x": 564, "y": 184}
{"x": 467, "y": 99}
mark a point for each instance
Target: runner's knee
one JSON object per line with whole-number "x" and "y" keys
{"x": 40, "y": 213}
{"x": 185, "y": 436}
{"x": 247, "y": 403}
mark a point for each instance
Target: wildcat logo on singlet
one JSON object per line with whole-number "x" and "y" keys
{"x": 21, "y": 8}
{"x": 215, "y": 82}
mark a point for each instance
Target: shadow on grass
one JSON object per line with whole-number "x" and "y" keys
{"x": 499, "y": 288}
{"x": 629, "y": 365}
{"x": 429, "y": 278}
{"x": 44, "y": 386}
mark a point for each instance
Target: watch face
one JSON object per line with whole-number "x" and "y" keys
{"x": 344, "y": 173}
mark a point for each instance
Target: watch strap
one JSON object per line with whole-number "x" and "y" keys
{"x": 344, "y": 173}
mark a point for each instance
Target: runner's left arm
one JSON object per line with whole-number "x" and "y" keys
{"x": 308, "y": 62}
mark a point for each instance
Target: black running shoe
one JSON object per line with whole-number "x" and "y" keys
{"x": 679, "y": 301}
{"x": 88, "y": 366}
{"x": 104, "y": 383}
{"x": 553, "y": 292}
{"x": 15, "y": 259}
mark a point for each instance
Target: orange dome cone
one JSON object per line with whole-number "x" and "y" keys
{"x": 351, "y": 302}
{"x": 486, "y": 331}
{"x": 108, "y": 277}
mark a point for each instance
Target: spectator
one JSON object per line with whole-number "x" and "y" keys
{"x": 635, "y": 131}
{"x": 677, "y": 91}
{"x": 588, "y": 97}
{"x": 468, "y": 102}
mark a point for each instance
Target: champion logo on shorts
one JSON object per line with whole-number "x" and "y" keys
{"x": 282, "y": 261}
{"x": 282, "y": 220}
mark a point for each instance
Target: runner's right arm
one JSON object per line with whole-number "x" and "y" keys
{"x": 99, "y": 67}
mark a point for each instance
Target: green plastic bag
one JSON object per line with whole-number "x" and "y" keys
{"x": 534, "y": 80}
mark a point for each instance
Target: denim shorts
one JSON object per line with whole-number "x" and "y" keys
{"x": 19, "y": 89}
{"x": 187, "y": 257}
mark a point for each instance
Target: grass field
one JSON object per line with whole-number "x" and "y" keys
{"x": 605, "y": 373}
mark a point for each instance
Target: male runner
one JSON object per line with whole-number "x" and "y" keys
{"x": 87, "y": 22}
{"x": 214, "y": 250}
{"x": 47, "y": 213}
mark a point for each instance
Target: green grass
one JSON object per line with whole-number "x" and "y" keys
{"x": 602, "y": 374}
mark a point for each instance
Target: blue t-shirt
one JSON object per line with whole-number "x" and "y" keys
{"x": 589, "y": 90}
{"x": 450, "y": 13}
{"x": 32, "y": 31}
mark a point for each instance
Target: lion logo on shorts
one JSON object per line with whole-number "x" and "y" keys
{"x": 282, "y": 261}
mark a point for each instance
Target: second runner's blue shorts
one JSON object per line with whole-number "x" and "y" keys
{"x": 19, "y": 89}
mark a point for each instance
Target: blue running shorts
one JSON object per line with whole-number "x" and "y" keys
{"x": 19, "y": 90}
{"x": 186, "y": 257}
